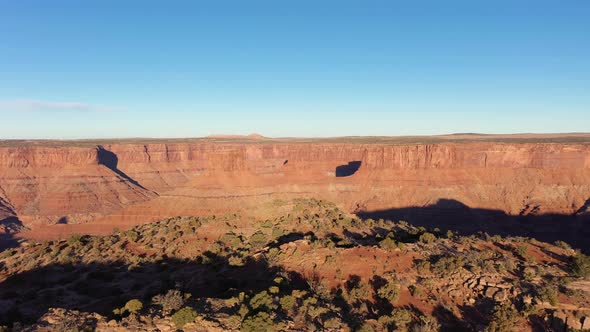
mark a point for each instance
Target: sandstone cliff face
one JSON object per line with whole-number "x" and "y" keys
{"x": 50, "y": 185}
{"x": 468, "y": 156}
{"x": 131, "y": 183}
{"x": 46, "y": 157}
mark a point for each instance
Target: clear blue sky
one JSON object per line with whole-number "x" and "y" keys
{"x": 71, "y": 69}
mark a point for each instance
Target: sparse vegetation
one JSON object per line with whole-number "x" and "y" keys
{"x": 260, "y": 322}
{"x": 258, "y": 239}
{"x": 171, "y": 301}
{"x": 581, "y": 265}
{"x": 133, "y": 306}
{"x": 389, "y": 292}
{"x": 522, "y": 250}
{"x": 323, "y": 269}
{"x": 184, "y": 316}
{"x": 548, "y": 294}
{"x": 504, "y": 319}
{"x": 427, "y": 237}
{"x": 562, "y": 245}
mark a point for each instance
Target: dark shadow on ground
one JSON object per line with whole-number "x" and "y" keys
{"x": 584, "y": 209}
{"x": 103, "y": 286}
{"x": 348, "y": 169}
{"x": 451, "y": 323}
{"x": 449, "y": 214}
{"x": 8, "y": 227}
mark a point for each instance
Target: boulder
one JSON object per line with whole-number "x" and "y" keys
{"x": 490, "y": 292}
{"x": 501, "y": 295}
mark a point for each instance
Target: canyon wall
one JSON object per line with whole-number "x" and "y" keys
{"x": 129, "y": 183}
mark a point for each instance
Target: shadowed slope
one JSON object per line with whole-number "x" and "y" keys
{"x": 449, "y": 214}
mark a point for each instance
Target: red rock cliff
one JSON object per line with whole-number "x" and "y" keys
{"x": 45, "y": 184}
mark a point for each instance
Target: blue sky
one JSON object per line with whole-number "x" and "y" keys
{"x": 73, "y": 69}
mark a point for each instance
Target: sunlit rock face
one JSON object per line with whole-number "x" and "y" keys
{"x": 95, "y": 187}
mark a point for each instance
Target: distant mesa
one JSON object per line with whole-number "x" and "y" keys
{"x": 250, "y": 136}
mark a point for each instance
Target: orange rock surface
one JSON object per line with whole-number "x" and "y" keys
{"x": 95, "y": 187}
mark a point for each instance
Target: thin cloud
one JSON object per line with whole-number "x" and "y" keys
{"x": 28, "y": 105}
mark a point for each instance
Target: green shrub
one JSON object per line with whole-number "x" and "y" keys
{"x": 562, "y": 245}
{"x": 258, "y": 239}
{"x": 427, "y": 238}
{"x": 415, "y": 290}
{"x": 311, "y": 308}
{"x": 365, "y": 327}
{"x": 243, "y": 311}
{"x": 277, "y": 232}
{"x": 133, "y": 306}
{"x": 184, "y": 316}
{"x": 522, "y": 250}
{"x": 447, "y": 265}
{"x": 581, "y": 265}
{"x": 75, "y": 239}
{"x": 388, "y": 244}
{"x": 529, "y": 273}
{"x": 401, "y": 318}
{"x": 503, "y": 319}
{"x": 236, "y": 260}
{"x": 389, "y": 292}
{"x": 261, "y": 322}
{"x": 548, "y": 294}
{"x": 231, "y": 239}
{"x": 267, "y": 224}
{"x": 171, "y": 301}
{"x": 426, "y": 324}
{"x": 330, "y": 324}
{"x": 132, "y": 235}
{"x": 262, "y": 301}
{"x": 287, "y": 302}
{"x": 7, "y": 253}
{"x": 423, "y": 266}
{"x": 358, "y": 292}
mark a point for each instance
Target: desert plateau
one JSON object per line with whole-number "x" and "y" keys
{"x": 456, "y": 232}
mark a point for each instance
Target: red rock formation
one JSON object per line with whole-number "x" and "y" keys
{"x": 50, "y": 185}
{"x": 132, "y": 182}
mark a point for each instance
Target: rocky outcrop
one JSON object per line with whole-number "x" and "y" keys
{"x": 570, "y": 321}
{"x": 57, "y": 319}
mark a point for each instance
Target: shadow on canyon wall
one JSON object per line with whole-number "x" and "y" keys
{"x": 110, "y": 160}
{"x": 450, "y": 214}
{"x": 348, "y": 169}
